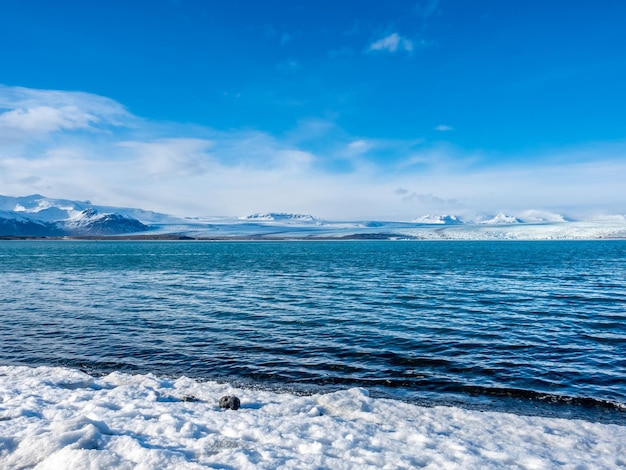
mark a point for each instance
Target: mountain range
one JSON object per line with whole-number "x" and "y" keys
{"x": 39, "y": 216}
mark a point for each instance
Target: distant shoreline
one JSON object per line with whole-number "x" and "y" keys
{"x": 350, "y": 237}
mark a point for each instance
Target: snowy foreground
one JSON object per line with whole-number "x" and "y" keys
{"x": 54, "y": 418}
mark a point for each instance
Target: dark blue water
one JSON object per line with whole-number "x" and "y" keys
{"x": 456, "y": 322}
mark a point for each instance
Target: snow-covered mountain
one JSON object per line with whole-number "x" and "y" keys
{"x": 92, "y": 222}
{"x": 14, "y": 224}
{"x": 38, "y": 216}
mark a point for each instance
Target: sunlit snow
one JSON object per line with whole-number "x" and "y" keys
{"x": 55, "y": 418}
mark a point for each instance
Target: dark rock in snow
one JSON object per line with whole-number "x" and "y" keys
{"x": 230, "y": 403}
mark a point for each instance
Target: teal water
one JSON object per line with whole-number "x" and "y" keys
{"x": 470, "y": 322}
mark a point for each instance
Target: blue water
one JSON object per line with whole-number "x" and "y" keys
{"x": 525, "y": 324}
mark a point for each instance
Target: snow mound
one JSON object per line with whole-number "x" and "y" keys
{"x": 440, "y": 220}
{"x": 501, "y": 219}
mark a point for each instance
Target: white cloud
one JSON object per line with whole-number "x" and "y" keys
{"x": 360, "y": 146}
{"x": 104, "y": 109}
{"x": 392, "y": 43}
{"x": 26, "y": 114}
{"x": 429, "y": 200}
{"x": 316, "y": 168}
{"x": 170, "y": 157}
{"x": 443, "y": 128}
{"x": 44, "y": 119}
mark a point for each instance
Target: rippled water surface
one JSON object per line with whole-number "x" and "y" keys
{"x": 542, "y": 321}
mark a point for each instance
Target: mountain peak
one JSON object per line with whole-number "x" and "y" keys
{"x": 36, "y": 215}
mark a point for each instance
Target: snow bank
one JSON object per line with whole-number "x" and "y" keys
{"x": 54, "y": 418}
{"x": 561, "y": 231}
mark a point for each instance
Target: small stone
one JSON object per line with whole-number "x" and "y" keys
{"x": 230, "y": 403}
{"x": 189, "y": 398}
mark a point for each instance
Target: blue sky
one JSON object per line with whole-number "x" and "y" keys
{"x": 352, "y": 109}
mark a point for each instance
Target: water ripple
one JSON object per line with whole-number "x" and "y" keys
{"x": 530, "y": 320}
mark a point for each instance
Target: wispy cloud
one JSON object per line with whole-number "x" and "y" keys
{"x": 98, "y": 108}
{"x": 44, "y": 119}
{"x": 426, "y": 8}
{"x": 27, "y": 114}
{"x": 171, "y": 157}
{"x": 392, "y": 43}
{"x": 430, "y": 201}
{"x": 285, "y": 38}
{"x": 360, "y": 146}
{"x": 443, "y": 128}
{"x": 289, "y": 66}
